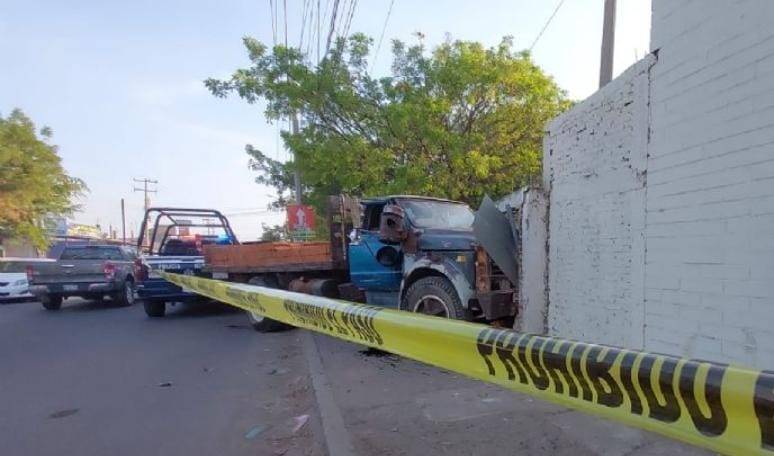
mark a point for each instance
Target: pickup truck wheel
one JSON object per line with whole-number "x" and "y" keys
{"x": 155, "y": 308}
{"x": 125, "y": 296}
{"x": 434, "y": 296}
{"x": 258, "y": 321}
{"x": 51, "y": 302}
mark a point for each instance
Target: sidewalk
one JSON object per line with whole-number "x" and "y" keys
{"x": 395, "y": 406}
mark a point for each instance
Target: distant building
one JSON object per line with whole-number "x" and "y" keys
{"x": 17, "y": 248}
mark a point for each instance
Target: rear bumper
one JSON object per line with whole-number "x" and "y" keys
{"x": 74, "y": 289}
{"x": 161, "y": 290}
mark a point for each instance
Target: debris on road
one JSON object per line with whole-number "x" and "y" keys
{"x": 275, "y": 371}
{"x": 232, "y": 326}
{"x": 255, "y": 431}
{"x": 300, "y": 421}
{"x": 64, "y": 413}
{"x": 165, "y": 384}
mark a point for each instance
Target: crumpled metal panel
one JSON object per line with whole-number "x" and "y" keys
{"x": 493, "y": 232}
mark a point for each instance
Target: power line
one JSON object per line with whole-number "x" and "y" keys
{"x": 319, "y": 30}
{"x": 381, "y": 37}
{"x": 285, "y": 9}
{"x": 332, "y": 28}
{"x": 341, "y": 18}
{"x": 556, "y": 10}
{"x": 304, "y": 12}
{"x": 350, "y": 15}
{"x": 273, "y": 22}
{"x": 312, "y": 28}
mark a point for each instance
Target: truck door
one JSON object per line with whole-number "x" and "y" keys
{"x": 374, "y": 265}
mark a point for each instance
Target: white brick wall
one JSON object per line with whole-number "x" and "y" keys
{"x": 661, "y": 231}
{"x": 594, "y": 162}
{"x": 533, "y": 299}
{"x": 709, "y": 274}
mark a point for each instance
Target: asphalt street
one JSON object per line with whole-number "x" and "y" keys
{"x": 94, "y": 379}
{"x": 97, "y": 379}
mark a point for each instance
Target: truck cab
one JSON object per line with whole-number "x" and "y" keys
{"x": 420, "y": 254}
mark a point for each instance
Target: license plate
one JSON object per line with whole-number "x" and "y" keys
{"x": 70, "y": 287}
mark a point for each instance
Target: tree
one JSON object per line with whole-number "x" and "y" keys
{"x": 459, "y": 122}
{"x": 273, "y": 233}
{"x": 33, "y": 184}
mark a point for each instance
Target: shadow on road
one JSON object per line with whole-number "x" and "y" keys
{"x": 10, "y": 301}
{"x": 83, "y": 305}
{"x": 199, "y": 309}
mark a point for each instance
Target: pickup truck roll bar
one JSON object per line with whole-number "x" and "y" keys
{"x": 171, "y": 213}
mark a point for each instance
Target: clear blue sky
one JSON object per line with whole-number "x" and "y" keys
{"x": 120, "y": 83}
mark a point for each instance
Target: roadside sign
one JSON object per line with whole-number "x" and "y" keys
{"x": 301, "y": 221}
{"x": 300, "y": 217}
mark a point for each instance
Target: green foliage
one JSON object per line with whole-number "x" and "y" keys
{"x": 273, "y": 233}
{"x": 33, "y": 184}
{"x": 458, "y": 122}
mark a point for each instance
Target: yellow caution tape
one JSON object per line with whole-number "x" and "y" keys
{"x": 717, "y": 406}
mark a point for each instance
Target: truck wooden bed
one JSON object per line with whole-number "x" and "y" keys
{"x": 272, "y": 257}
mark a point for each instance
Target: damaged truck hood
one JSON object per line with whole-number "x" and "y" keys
{"x": 446, "y": 240}
{"x": 496, "y": 235}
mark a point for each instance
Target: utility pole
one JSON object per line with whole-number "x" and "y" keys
{"x": 123, "y": 222}
{"x": 145, "y": 190}
{"x": 145, "y": 181}
{"x": 297, "y": 174}
{"x": 608, "y": 44}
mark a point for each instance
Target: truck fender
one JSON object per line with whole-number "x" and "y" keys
{"x": 416, "y": 268}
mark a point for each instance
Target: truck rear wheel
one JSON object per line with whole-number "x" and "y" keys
{"x": 434, "y": 296}
{"x": 125, "y": 296}
{"x": 258, "y": 321}
{"x": 155, "y": 308}
{"x": 51, "y": 302}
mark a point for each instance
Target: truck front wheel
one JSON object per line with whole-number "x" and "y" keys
{"x": 154, "y": 308}
{"x": 434, "y": 296}
{"x": 51, "y": 302}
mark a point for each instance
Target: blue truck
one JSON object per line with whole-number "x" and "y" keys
{"x": 172, "y": 239}
{"x": 415, "y": 253}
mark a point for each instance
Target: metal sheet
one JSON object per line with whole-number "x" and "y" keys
{"x": 493, "y": 232}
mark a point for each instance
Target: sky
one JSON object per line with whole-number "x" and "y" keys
{"x": 120, "y": 83}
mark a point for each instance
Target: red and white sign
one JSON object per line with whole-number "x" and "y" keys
{"x": 300, "y": 217}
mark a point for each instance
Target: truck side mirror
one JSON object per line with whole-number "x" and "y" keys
{"x": 392, "y": 224}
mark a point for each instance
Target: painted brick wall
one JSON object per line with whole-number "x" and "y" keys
{"x": 594, "y": 166}
{"x": 533, "y": 298}
{"x": 709, "y": 275}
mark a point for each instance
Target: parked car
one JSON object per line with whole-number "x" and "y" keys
{"x": 91, "y": 271}
{"x": 13, "y": 278}
{"x": 172, "y": 244}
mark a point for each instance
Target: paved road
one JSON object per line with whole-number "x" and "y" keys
{"x": 88, "y": 380}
